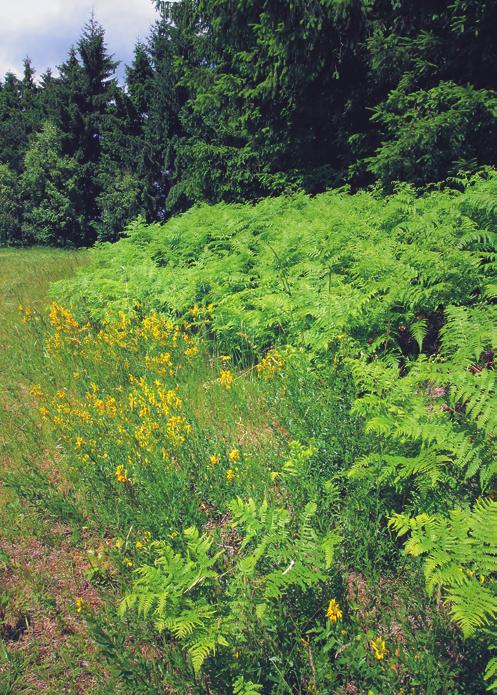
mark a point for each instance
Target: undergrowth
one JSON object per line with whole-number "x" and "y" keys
{"x": 268, "y": 414}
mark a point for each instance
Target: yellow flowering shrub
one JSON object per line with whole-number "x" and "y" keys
{"x": 379, "y": 648}
{"x": 271, "y": 365}
{"x": 334, "y": 611}
{"x": 139, "y": 413}
{"x": 26, "y": 313}
{"x": 234, "y": 456}
{"x": 226, "y": 378}
{"x": 121, "y": 474}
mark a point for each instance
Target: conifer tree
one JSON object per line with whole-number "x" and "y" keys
{"x": 12, "y": 135}
{"x": 49, "y": 191}
{"x": 20, "y": 115}
{"x": 273, "y": 92}
{"x": 139, "y": 77}
{"x": 122, "y": 185}
{"x": 48, "y": 95}
{"x": 10, "y": 208}
{"x": 162, "y": 127}
{"x": 86, "y": 91}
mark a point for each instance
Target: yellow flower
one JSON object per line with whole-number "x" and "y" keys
{"x": 79, "y": 442}
{"x": 127, "y": 561}
{"x": 79, "y": 605}
{"x": 118, "y": 543}
{"x": 36, "y": 391}
{"x": 173, "y": 534}
{"x": 139, "y": 545}
{"x": 214, "y": 459}
{"x": 226, "y": 378}
{"x": 270, "y": 365}
{"x": 230, "y": 474}
{"x": 379, "y": 648}
{"x": 334, "y": 611}
{"x": 62, "y": 319}
{"x": 234, "y": 455}
{"x": 26, "y": 313}
{"x": 121, "y": 474}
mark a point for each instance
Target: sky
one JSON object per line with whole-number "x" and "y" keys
{"x": 44, "y": 30}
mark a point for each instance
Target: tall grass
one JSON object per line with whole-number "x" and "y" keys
{"x": 37, "y": 566}
{"x": 25, "y": 276}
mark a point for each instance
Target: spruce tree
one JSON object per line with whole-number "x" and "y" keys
{"x": 49, "y": 194}
{"x": 162, "y": 127}
{"x": 274, "y": 89}
{"x": 48, "y": 95}
{"x": 12, "y": 134}
{"x": 86, "y": 92}
{"x": 120, "y": 174}
{"x": 10, "y": 208}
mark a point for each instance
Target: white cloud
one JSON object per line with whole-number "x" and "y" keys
{"x": 45, "y": 29}
{"x": 6, "y": 64}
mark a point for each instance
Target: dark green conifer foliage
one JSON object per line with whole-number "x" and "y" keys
{"x": 48, "y": 94}
{"x": 232, "y": 101}
{"x": 49, "y": 191}
{"x": 19, "y": 115}
{"x": 29, "y": 94}
{"x": 140, "y": 88}
{"x": 10, "y": 207}
{"x": 139, "y": 77}
{"x": 12, "y": 134}
{"x": 418, "y": 53}
{"x": 273, "y": 94}
{"x": 121, "y": 186}
{"x": 86, "y": 91}
{"x": 162, "y": 127}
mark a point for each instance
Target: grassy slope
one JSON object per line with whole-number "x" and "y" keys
{"x": 44, "y": 645}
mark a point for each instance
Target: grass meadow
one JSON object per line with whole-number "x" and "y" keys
{"x": 41, "y": 560}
